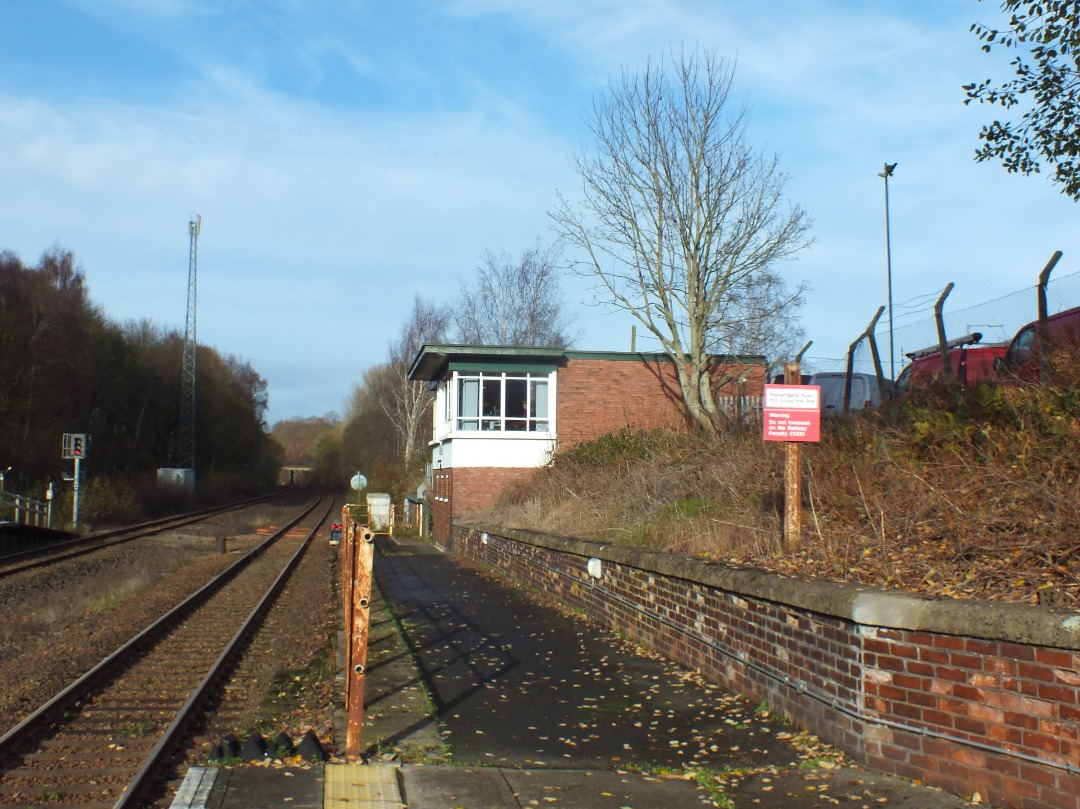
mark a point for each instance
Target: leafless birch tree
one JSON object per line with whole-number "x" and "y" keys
{"x": 408, "y": 404}
{"x": 514, "y": 303}
{"x": 680, "y": 220}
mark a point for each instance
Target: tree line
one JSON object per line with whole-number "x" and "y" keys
{"x": 66, "y": 368}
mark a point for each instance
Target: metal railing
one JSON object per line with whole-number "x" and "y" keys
{"x": 385, "y": 519}
{"x": 26, "y": 510}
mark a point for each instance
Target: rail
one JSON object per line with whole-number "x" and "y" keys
{"x": 152, "y": 646}
{"x": 65, "y": 549}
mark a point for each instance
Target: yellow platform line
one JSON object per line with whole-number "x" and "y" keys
{"x": 362, "y": 786}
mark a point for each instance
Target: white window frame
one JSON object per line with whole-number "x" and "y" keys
{"x": 538, "y": 420}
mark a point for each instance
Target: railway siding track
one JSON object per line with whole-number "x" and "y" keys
{"x": 103, "y": 741}
{"x": 18, "y": 561}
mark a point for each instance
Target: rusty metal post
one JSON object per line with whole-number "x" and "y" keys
{"x": 348, "y": 545}
{"x": 362, "y": 555}
{"x": 793, "y": 475}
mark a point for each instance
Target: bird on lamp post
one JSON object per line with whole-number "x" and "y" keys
{"x": 886, "y": 174}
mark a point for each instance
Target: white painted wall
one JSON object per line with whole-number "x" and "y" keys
{"x": 502, "y": 451}
{"x": 505, "y": 451}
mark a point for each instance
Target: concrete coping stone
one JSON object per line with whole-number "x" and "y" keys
{"x": 861, "y": 604}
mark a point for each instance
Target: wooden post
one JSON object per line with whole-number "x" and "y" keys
{"x": 793, "y": 475}
{"x": 358, "y": 552}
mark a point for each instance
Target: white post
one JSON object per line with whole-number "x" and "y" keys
{"x": 75, "y": 506}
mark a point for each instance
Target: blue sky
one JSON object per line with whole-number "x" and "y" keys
{"x": 346, "y": 155}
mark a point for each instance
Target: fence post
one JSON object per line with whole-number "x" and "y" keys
{"x": 943, "y": 348}
{"x": 1044, "y": 280}
{"x": 851, "y": 359}
{"x": 879, "y": 373}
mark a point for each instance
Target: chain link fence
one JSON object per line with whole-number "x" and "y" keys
{"x": 914, "y": 326}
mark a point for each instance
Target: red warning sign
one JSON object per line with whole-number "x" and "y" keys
{"x": 792, "y": 413}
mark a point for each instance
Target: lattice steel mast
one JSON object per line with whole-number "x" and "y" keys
{"x": 186, "y": 448}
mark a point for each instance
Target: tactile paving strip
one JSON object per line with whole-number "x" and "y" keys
{"x": 362, "y": 786}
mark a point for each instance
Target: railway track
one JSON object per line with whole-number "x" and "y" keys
{"x": 107, "y": 739}
{"x": 16, "y": 562}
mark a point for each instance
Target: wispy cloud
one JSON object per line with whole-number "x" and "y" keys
{"x": 346, "y": 156}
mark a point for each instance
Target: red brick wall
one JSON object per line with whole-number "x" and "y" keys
{"x": 462, "y": 491}
{"x": 998, "y": 716}
{"x": 1004, "y": 695}
{"x": 475, "y": 488}
{"x": 598, "y": 396}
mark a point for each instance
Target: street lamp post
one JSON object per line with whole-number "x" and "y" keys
{"x": 886, "y": 174}
{"x": 3, "y": 474}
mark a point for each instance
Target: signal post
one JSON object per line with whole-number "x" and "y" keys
{"x": 74, "y": 447}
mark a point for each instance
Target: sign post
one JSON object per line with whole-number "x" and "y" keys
{"x": 358, "y": 484}
{"x": 792, "y": 413}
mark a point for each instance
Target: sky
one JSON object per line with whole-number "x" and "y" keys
{"x": 348, "y": 155}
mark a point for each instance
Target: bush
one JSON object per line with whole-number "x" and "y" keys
{"x": 103, "y": 500}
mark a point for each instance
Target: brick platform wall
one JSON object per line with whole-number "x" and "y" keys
{"x": 967, "y": 696}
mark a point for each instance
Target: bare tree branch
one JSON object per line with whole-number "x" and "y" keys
{"x": 515, "y": 303}
{"x": 407, "y": 404}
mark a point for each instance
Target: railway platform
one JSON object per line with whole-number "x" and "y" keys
{"x": 512, "y": 705}
{"x": 420, "y": 786}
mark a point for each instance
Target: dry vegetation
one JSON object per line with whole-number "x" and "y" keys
{"x": 962, "y": 493}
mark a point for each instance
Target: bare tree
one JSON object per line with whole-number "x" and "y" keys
{"x": 681, "y": 221}
{"x": 408, "y": 404}
{"x": 768, "y": 323}
{"x": 515, "y": 303}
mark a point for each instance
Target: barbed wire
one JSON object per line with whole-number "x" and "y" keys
{"x": 997, "y": 320}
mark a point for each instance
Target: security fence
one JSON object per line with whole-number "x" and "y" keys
{"x": 997, "y": 320}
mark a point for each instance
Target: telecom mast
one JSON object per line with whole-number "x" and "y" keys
{"x": 186, "y": 448}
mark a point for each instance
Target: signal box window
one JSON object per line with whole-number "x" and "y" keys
{"x": 502, "y": 402}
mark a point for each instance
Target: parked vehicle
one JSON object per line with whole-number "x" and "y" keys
{"x": 864, "y": 391}
{"x": 1021, "y": 359}
{"x": 971, "y": 363}
{"x": 778, "y": 379}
